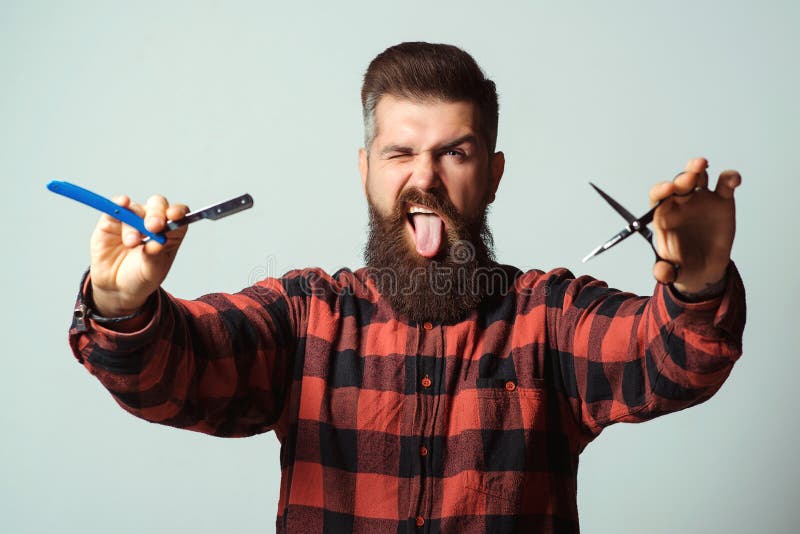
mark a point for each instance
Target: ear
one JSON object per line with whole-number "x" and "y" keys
{"x": 498, "y": 164}
{"x": 363, "y": 167}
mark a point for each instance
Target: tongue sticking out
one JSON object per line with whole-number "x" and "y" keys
{"x": 427, "y": 233}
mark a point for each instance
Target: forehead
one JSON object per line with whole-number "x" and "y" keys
{"x": 400, "y": 119}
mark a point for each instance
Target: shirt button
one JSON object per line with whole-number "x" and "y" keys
{"x": 423, "y": 451}
{"x": 426, "y": 382}
{"x": 427, "y": 326}
{"x": 510, "y": 386}
{"x": 420, "y": 520}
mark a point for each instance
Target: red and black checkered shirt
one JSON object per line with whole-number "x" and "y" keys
{"x": 390, "y": 426}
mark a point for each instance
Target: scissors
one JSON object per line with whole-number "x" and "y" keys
{"x": 635, "y": 225}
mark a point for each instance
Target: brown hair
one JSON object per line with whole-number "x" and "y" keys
{"x": 427, "y": 71}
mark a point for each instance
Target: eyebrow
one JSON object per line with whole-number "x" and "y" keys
{"x": 468, "y": 138}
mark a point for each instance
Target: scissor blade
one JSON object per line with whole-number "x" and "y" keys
{"x": 628, "y": 216}
{"x": 622, "y": 235}
{"x": 647, "y": 218}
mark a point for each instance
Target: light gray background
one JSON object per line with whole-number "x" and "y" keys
{"x": 201, "y": 101}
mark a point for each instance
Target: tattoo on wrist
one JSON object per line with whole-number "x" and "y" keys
{"x": 712, "y": 289}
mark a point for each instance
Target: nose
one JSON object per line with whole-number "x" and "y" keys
{"x": 424, "y": 175}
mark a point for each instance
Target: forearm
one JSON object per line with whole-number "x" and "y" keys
{"x": 634, "y": 358}
{"x": 688, "y": 347}
{"x": 187, "y": 365}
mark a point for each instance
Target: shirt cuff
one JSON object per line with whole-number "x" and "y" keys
{"x": 105, "y": 337}
{"x": 726, "y": 311}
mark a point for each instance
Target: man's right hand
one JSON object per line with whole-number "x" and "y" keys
{"x": 124, "y": 271}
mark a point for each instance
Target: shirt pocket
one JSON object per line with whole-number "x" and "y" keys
{"x": 512, "y": 420}
{"x": 507, "y": 404}
{"x": 498, "y": 493}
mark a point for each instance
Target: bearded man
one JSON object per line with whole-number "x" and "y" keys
{"x": 434, "y": 390}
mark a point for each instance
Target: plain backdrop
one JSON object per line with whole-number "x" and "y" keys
{"x": 205, "y": 100}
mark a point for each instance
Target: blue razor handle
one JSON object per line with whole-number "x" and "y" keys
{"x": 105, "y": 205}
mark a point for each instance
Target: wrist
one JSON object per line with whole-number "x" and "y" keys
{"x": 107, "y": 304}
{"x": 705, "y": 287}
{"x": 119, "y": 319}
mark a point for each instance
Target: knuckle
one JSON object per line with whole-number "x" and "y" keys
{"x": 179, "y": 209}
{"x": 157, "y": 201}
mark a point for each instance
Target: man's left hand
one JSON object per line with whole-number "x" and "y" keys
{"x": 694, "y": 231}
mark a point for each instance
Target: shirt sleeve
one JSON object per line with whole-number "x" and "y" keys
{"x": 221, "y": 364}
{"x": 619, "y": 357}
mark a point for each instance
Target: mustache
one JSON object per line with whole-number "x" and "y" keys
{"x": 445, "y": 288}
{"x": 435, "y": 200}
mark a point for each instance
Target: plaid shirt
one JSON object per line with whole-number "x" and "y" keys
{"x": 391, "y": 426}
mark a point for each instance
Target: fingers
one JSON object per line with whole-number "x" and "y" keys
{"x": 702, "y": 179}
{"x": 156, "y": 213}
{"x": 177, "y": 212}
{"x": 109, "y": 223}
{"x": 664, "y": 272}
{"x": 727, "y": 182}
{"x": 131, "y": 237}
{"x": 695, "y": 166}
{"x": 660, "y": 191}
{"x": 155, "y": 219}
{"x": 122, "y": 200}
{"x": 694, "y": 176}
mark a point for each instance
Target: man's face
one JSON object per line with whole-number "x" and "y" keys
{"x": 433, "y": 147}
{"x": 428, "y": 180}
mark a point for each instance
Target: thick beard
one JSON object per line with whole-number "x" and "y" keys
{"x": 444, "y": 288}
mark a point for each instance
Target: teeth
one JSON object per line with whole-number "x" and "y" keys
{"x": 417, "y": 209}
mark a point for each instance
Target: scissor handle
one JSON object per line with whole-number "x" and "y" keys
{"x": 647, "y": 218}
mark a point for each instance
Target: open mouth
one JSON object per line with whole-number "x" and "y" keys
{"x": 427, "y": 229}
